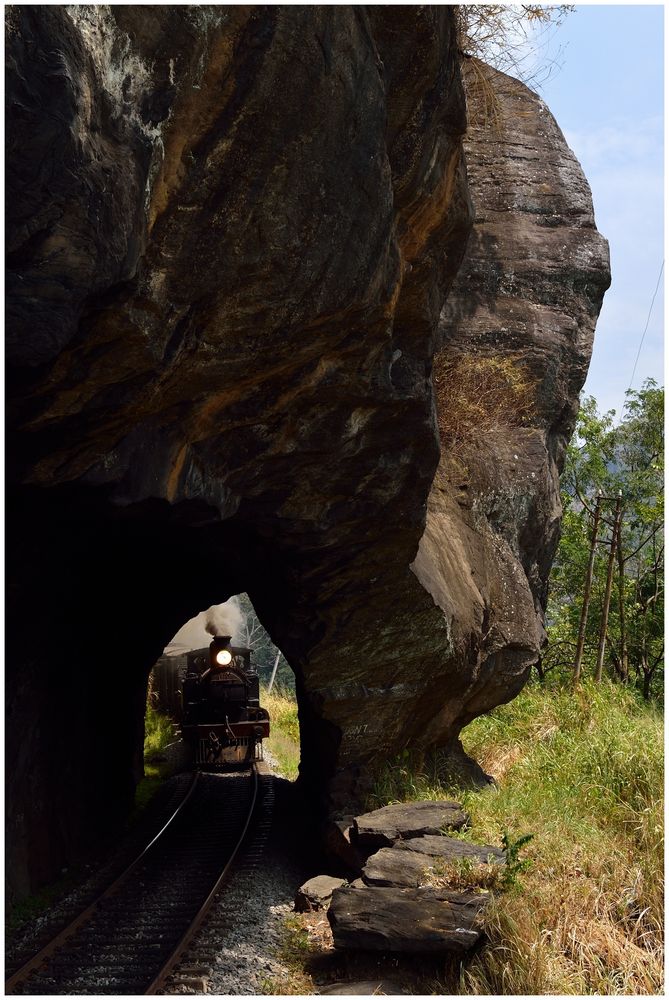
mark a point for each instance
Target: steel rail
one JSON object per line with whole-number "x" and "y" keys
{"x": 48, "y": 950}
{"x": 199, "y": 917}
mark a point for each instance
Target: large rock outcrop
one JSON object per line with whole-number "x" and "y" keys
{"x": 230, "y": 234}
{"x": 515, "y": 342}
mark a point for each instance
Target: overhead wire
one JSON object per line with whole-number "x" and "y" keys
{"x": 643, "y": 335}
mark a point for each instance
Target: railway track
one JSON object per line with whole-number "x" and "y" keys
{"x": 203, "y": 951}
{"x": 130, "y": 938}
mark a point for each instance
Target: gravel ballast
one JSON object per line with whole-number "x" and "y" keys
{"x": 235, "y": 951}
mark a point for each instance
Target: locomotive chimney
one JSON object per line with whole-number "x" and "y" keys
{"x": 220, "y": 641}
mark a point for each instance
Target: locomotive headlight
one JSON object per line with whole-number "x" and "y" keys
{"x": 223, "y": 657}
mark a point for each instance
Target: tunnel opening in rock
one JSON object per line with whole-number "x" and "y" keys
{"x": 254, "y": 680}
{"x": 98, "y": 590}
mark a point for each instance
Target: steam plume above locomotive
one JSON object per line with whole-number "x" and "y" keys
{"x": 223, "y": 619}
{"x": 219, "y": 619}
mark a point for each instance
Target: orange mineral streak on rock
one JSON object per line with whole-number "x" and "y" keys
{"x": 175, "y": 472}
{"x": 196, "y": 110}
{"x": 430, "y": 212}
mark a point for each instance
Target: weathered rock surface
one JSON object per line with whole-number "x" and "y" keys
{"x": 516, "y": 336}
{"x": 230, "y": 235}
{"x": 339, "y": 846}
{"x": 366, "y": 988}
{"x": 398, "y": 866}
{"x": 406, "y": 920}
{"x": 316, "y": 893}
{"x": 230, "y": 232}
{"x": 406, "y": 819}
{"x": 451, "y": 848}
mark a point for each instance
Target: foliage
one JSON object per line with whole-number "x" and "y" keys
{"x": 284, "y": 740}
{"x": 510, "y": 39}
{"x": 514, "y": 863}
{"x": 608, "y": 459}
{"x": 158, "y": 731}
{"x": 468, "y": 874}
{"x": 584, "y": 771}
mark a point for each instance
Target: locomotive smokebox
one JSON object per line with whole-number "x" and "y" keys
{"x": 220, "y": 654}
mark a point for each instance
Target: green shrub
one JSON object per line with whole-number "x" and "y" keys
{"x": 158, "y": 731}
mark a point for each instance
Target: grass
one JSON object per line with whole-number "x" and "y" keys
{"x": 294, "y": 950}
{"x": 159, "y": 732}
{"x": 583, "y": 773}
{"x": 284, "y": 740}
{"x": 42, "y": 901}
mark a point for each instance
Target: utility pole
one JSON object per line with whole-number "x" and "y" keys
{"x": 586, "y": 592}
{"x": 276, "y": 664}
{"x": 607, "y": 593}
{"x": 624, "y": 654}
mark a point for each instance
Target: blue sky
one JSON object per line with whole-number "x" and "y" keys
{"x": 608, "y": 100}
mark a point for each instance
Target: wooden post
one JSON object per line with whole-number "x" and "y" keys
{"x": 586, "y": 593}
{"x": 624, "y": 655}
{"x": 603, "y": 625}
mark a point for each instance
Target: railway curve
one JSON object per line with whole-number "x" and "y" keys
{"x": 128, "y": 940}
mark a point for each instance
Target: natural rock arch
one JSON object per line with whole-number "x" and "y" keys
{"x": 231, "y": 232}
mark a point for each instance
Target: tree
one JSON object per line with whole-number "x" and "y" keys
{"x": 508, "y": 37}
{"x": 254, "y": 636}
{"x": 624, "y": 466}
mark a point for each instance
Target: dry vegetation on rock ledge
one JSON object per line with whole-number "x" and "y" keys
{"x": 481, "y": 392}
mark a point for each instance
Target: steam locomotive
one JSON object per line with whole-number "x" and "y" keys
{"x": 222, "y": 719}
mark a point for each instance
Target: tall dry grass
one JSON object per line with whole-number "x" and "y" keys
{"x": 584, "y": 774}
{"x": 284, "y": 740}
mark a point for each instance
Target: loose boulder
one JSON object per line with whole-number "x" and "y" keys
{"x": 452, "y": 849}
{"x": 368, "y": 988}
{"x": 383, "y": 827}
{"x": 316, "y": 893}
{"x": 406, "y": 920}
{"x": 399, "y": 866}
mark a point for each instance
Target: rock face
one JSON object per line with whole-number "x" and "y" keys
{"x": 230, "y": 234}
{"x": 516, "y": 336}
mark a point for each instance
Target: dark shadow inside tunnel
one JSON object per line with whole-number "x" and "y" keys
{"x": 95, "y": 592}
